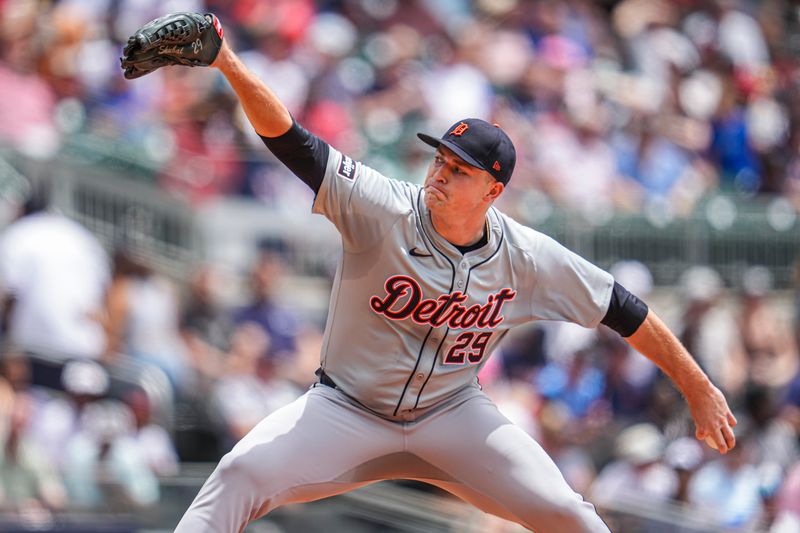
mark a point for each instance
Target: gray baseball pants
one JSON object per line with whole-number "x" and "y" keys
{"x": 324, "y": 444}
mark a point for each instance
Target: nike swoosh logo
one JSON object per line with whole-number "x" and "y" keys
{"x": 417, "y": 253}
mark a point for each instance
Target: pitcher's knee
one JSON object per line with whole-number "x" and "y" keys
{"x": 267, "y": 473}
{"x": 235, "y": 470}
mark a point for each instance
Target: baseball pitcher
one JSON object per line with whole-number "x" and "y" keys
{"x": 430, "y": 280}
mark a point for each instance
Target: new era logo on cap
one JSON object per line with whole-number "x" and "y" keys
{"x": 480, "y": 144}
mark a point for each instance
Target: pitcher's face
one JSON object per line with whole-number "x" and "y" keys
{"x": 456, "y": 186}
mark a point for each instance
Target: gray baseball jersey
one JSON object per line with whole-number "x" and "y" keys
{"x": 411, "y": 323}
{"x": 411, "y": 319}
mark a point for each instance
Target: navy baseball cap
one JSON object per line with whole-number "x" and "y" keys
{"x": 482, "y": 145}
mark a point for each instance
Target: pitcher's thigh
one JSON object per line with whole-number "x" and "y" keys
{"x": 301, "y": 452}
{"x": 502, "y": 470}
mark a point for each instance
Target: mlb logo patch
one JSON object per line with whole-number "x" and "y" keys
{"x": 347, "y": 168}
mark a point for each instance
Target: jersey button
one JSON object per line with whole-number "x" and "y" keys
{"x": 460, "y": 284}
{"x": 420, "y": 376}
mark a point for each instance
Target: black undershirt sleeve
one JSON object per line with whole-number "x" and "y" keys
{"x": 305, "y": 154}
{"x": 625, "y": 312}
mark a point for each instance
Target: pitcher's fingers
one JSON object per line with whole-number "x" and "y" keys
{"x": 730, "y": 438}
{"x": 732, "y": 420}
{"x": 719, "y": 440}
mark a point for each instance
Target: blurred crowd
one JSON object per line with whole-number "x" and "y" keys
{"x": 618, "y": 429}
{"x": 75, "y": 433}
{"x": 628, "y": 106}
{"x": 614, "y": 106}
{"x": 112, "y": 373}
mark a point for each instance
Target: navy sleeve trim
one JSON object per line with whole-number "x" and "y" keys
{"x": 625, "y": 312}
{"x": 305, "y": 154}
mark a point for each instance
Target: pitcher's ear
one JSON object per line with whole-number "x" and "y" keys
{"x": 495, "y": 190}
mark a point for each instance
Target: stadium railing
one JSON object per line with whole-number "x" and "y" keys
{"x": 724, "y": 231}
{"x": 121, "y": 210}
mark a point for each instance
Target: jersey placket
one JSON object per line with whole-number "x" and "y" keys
{"x": 431, "y": 353}
{"x": 418, "y": 382}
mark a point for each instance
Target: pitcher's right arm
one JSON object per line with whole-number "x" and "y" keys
{"x": 264, "y": 110}
{"x": 305, "y": 154}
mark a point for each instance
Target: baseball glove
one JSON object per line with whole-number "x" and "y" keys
{"x": 189, "y": 39}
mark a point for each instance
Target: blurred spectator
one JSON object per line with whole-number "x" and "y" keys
{"x": 278, "y": 322}
{"x": 143, "y": 319}
{"x": 104, "y": 466}
{"x": 684, "y": 456}
{"x": 796, "y": 301}
{"x": 151, "y": 440}
{"x": 771, "y": 477}
{"x": 562, "y": 340}
{"x": 27, "y": 478}
{"x": 766, "y": 335}
{"x": 562, "y": 438}
{"x": 628, "y": 383}
{"x": 740, "y": 36}
{"x": 7, "y": 393}
{"x": 57, "y": 419}
{"x": 729, "y": 486}
{"x": 53, "y": 274}
{"x": 521, "y": 353}
{"x": 205, "y": 161}
{"x": 629, "y": 375}
{"x": 27, "y": 101}
{"x": 88, "y": 438}
{"x": 709, "y": 331}
{"x": 578, "y": 383}
{"x": 660, "y": 410}
{"x": 786, "y": 523}
{"x": 16, "y": 370}
{"x": 576, "y": 163}
{"x": 792, "y": 182}
{"x": 731, "y": 145}
{"x": 204, "y": 324}
{"x": 205, "y": 329}
{"x": 775, "y": 440}
{"x": 638, "y": 473}
{"x": 515, "y": 399}
{"x": 788, "y": 506}
{"x": 455, "y": 88}
{"x": 300, "y": 370}
{"x": 653, "y": 41}
{"x": 45, "y": 426}
{"x": 248, "y": 390}
{"x": 669, "y": 175}
{"x": 789, "y": 409}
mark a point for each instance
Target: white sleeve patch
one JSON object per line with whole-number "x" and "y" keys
{"x": 348, "y": 169}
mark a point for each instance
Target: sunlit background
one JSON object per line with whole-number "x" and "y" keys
{"x": 168, "y": 286}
